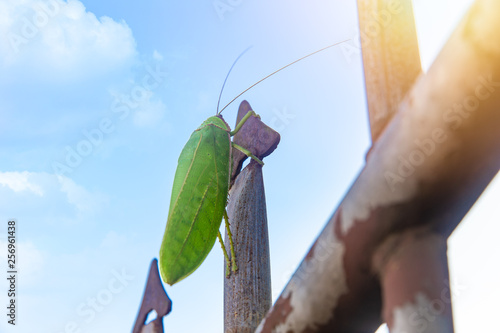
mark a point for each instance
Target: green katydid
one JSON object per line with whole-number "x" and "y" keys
{"x": 199, "y": 195}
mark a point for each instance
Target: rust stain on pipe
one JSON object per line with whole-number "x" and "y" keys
{"x": 279, "y": 317}
{"x": 413, "y": 270}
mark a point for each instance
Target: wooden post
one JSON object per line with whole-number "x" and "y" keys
{"x": 391, "y": 59}
{"x": 247, "y": 293}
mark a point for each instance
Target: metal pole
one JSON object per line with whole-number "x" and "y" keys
{"x": 413, "y": 269}
{"x": 427, "y": 169}
{"x": 154, "y": 298}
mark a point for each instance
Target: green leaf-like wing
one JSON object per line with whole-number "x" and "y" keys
{"x": 198, "y": 200}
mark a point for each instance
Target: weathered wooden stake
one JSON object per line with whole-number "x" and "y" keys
{"x": 391, "y": 59}
{"x": 247, "y": 293}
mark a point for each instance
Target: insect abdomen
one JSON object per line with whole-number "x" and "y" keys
{"x": 199, "y": 196}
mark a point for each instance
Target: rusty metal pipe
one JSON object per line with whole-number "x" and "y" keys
{"x": 427, "y": 169}
{"x": 413, "y": 270}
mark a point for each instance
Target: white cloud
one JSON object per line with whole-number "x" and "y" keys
{"x": 52, "y": 188}
{"x": 69, "y": 64}
{"x": 78, "y": 196}
{"x": 62, "y": 39}
{"x": 19, "y": 182}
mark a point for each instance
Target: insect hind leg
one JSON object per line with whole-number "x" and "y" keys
{"x": 225, "y": 253}
{"x": 248, "y": 153}
{"x": 231, "y": 244}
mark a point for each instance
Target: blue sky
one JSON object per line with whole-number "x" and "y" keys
{"x": 124, "y": 87}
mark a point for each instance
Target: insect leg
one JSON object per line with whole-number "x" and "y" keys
{"x": 225, "y": 252}
{"x": 242, "y": 122}
{"x": 247, "y": 152}
{"x": 231, "y": 244}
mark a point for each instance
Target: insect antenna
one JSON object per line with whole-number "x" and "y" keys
{"x": 230, "y": 69}
{"x": 276, "y": 71}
